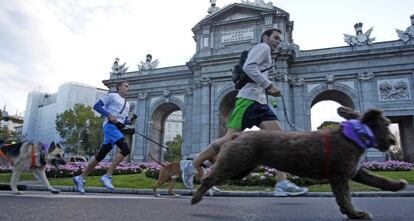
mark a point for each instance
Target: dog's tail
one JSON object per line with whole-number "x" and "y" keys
{"x": 153, "y": 159}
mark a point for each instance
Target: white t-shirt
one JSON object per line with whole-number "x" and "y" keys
{"x": 259, "y": 58}
{"x": 114, "y": 104}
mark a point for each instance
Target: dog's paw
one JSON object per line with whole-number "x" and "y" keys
{"x": 157, "y": 194}
{"x": 403, "y": 184}
{"x": 16, "y": 192}
{"x": 55, "y": 191}
{"x": 176, "y": 195}
{"x": 210, "y": 192}
{"x": 197, "y": 197}
{"x": 360, "y": 215}
{"x": 398, "y": 185}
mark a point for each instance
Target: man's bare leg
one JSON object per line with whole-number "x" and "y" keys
{"x": 117, "y": 159}
{"x": 189, "y": 169}
{"x": 213, "y": 149}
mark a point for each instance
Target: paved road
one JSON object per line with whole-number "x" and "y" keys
{"x": 41, "y": 205}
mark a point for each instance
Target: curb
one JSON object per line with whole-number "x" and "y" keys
{"x": 163, "y": 192}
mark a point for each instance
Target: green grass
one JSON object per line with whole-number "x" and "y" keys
{"x": 139, "y": 181}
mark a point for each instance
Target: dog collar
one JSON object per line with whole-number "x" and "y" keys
{"x": 359, "y": 133}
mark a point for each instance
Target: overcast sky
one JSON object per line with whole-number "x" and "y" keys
{"x": 44, "y": 43}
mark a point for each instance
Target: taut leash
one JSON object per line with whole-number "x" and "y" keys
{"x": 167, "y": 148}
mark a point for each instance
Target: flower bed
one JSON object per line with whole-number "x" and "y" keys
{"x": 74, "y": 169}
{"x": 262, "y": 176}
{"x": 391, "y": 165}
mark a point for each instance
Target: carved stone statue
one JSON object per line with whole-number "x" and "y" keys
{"x": 149, "y": 64}
{"x": 360, "y": 38}
{"x": 408, "y": 34}
{"x": 213, "y": 8}
{"x": 260, "y": 3}
{"x": 117, "y": 69}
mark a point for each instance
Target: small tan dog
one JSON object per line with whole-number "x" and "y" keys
{"x": 32, "y": 156}
{"x": 169, "y": 172}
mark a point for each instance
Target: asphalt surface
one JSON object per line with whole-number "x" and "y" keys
{"x": 408, "y": 192}
{"x": 41, "y": 205}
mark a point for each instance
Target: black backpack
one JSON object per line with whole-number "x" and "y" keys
{"x": 239, "y": 77}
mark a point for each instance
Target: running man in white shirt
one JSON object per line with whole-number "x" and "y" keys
{"x": 114, "y": 108}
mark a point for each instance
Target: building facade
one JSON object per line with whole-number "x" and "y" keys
{"x": 42, "y": 109}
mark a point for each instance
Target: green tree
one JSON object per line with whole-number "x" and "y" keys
{"x": 4, "y": 133}
{"x": 80, "y": 129}
{"x": 174, "y": 152}
{"x": 328, "y": 125}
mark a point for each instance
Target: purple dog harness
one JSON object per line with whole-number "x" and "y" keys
{"x": 359, "y": 133}
{"x": 354, "y": 130}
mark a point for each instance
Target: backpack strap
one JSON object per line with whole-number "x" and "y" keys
{"x": 269, "y": 68}
{"x": 123, "y": 106}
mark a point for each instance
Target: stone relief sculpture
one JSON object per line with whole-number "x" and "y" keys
{"x": 390, "y": 90}
{"x": 213, "y": 8}
{"x": 281, "y": 76}
{"x": 360, "y": 38}
{"x": 408, "y": 34}
{"x": 364, "y": 76}
{"x": 149, "y": 64}
{"x": 143, "y": 96}
{"x": 296, "y": 81}
{"x": 330, "y": 79}
{"x": 117, "y": 69}
{"x": 132, "y": 108}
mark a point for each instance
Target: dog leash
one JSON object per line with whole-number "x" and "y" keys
{"x": 167, "y": 148}
{"x": 2, "y": 154}
{"x": 292, "y": 125}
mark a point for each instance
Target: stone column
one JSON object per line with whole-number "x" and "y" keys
{"x": 196, "y": 121}
{"x": 406, "y": 128}
{"x": 188, "y": 123}
{"x": 299, "y": 117}
{"x": 139, "y": 151}
{"x": 205, "y": 112}
{"x": 366, "y": 99}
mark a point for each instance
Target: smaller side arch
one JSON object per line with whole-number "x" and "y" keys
{"x": 342, "y": 94}
{"x": 223, "y": 105}
{"x": 158, "y": 112}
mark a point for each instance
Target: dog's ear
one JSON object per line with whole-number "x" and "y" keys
{"x": 371, "y": 115}
{"x": 347, "y": 113}
{"x": 51, "y": 147}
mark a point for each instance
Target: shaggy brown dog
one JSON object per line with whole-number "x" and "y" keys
{"x": 169, "y": 172}
{"x": 306, "y": 154}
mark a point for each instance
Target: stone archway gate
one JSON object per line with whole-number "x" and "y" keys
{"x": 380, "y": 75}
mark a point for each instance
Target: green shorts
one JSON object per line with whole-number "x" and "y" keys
{"x": 248, "y": 113}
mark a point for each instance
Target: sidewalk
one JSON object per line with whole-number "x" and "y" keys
{"x": 408, "y": 192}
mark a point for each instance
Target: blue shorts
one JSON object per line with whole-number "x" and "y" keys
{"x": 111, "y": 134}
